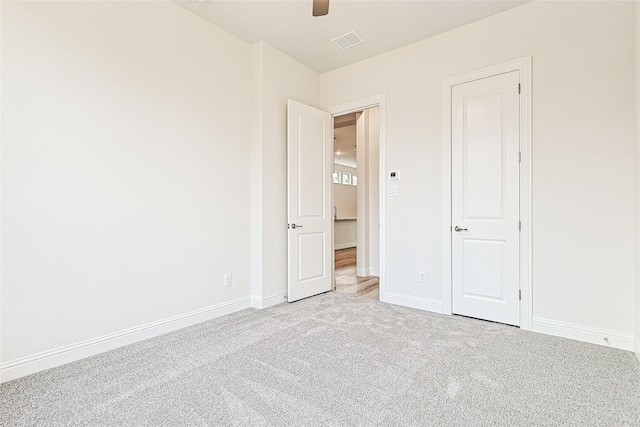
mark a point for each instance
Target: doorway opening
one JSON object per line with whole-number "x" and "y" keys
{"x": 356, "y": 204}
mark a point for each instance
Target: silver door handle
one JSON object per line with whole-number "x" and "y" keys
{"x": 294, "y": 226}
{"x": 458, "y": 229}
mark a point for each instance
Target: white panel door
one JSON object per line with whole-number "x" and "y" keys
{"x": 485, "y": 216}
{"x": 309, "y": 212}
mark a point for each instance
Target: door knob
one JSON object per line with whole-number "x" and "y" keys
{"x": 458, "y": 229}
{"x": 294, "y": 226}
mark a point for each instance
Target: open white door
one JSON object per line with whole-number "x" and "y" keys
{"x": 309, "y": 212}
{"x": 485, "y": 153}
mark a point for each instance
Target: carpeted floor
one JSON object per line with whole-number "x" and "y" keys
{"x": 336, "y": 360}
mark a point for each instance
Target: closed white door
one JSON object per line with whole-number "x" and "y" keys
{"x": 309, "y": 205}
{"x": 485, "y": 198}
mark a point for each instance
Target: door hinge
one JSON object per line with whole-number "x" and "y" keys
{"x": 520, "y": 295}
{"x": 519, "y": 89}
{"x": 519, "y": 156}
{"x": 519, "y": 225}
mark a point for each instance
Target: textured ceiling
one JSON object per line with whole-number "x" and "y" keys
{"x": 384, "y": 25}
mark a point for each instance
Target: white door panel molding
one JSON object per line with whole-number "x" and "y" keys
{"x": 486, "y": 200}
{"x": 309, "y": 201}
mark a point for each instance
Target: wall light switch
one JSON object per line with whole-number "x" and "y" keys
{"x": 393, "y": 191}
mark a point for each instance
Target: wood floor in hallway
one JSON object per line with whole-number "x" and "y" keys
{"x": 345, "y": 258}
{"x": 346, "y": 279}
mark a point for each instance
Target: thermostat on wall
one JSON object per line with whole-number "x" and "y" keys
{"x": 394, "y": 175}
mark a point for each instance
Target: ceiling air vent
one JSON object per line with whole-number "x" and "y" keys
{"x": 348, "y": 40}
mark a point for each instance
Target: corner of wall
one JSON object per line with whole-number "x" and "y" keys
{"x": 116, "y": 224}
{"x": 637, "y": 117}
{"x": 256, "y": 173}
{"x": 0, "y": 210}
{"x": 277, "y": 77}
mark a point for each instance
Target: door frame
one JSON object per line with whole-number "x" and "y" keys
{"x": 352, "y": 107}
{"x": 523, "y": 66}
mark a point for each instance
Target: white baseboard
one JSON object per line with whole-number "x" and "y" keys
{"x": 583, "y": 333}
{"x": 269, "y": 300}
{"x": 50, "y": 359}
{"x": 413, "y": 302}
{"x": 338, "y": 246}
{"x": 367, "y": 272}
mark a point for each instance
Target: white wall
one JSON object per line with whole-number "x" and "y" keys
{"x": 344, "y": 196}
{"x": 131, "y": 182}
{"x": 362, "y": 142}
{"x": 583, "y": 174}
{"x": 125, "y": 175}
{"x": 344, "y": 199}
{"x": 344, "y": 234}
{"x": 368, "y": 143}
{"x": 637, "y": 99}
{"x": 373, "y": 191}
{"x": 277, "y": 77}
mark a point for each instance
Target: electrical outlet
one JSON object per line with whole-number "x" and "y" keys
{"x": 227, "y": 279}
{"x": 422, "y": 276}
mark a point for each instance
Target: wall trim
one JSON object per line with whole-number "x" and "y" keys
{"x": 70, "y": 353}
{"x": 258, "y": 301}
{"x": 583, "y": 333}
{"x": 523, "y": 65}
{"x": 367, "y": 272}
{"x": 420, "y": 303}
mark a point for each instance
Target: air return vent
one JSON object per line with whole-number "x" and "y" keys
{"x": 348, "y": 40}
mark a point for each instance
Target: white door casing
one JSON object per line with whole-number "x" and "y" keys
{"x": 524, "y": 67}
{"x": 309, "y": 201}
{"x": 485, "y": 216}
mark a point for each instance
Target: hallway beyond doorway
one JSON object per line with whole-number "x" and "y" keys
{"x": 346, "y": 279}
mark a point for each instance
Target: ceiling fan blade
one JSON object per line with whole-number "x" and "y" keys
{"x": 320, "y": 7}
